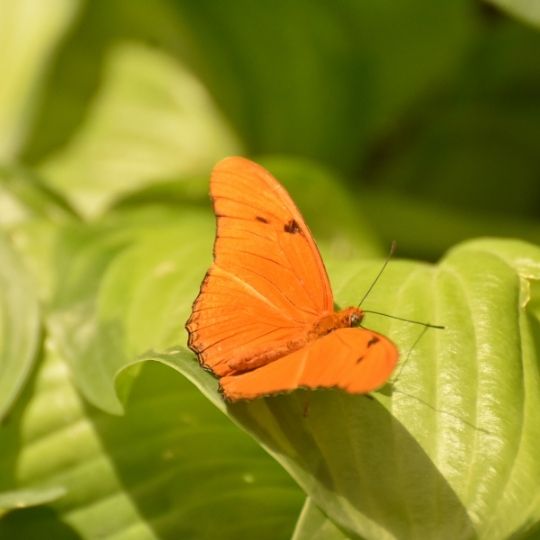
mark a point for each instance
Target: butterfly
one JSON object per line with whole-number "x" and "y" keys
{"x": 264, "y": 320}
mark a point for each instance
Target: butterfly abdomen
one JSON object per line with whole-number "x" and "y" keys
{"x": 345, "y": 318}
{"x": 253, "y": 361}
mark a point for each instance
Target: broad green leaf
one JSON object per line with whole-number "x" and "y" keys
{"x": 172, "y": 467}
{"x": 30, "y": 31}
{"x": 150, "y": 120}
{"x": 527, "y": 10}
{"x": 449, "y": 449}
{"x": 19, "y": 325}
{"x": 126, "y": 286}
{"x": 314, "y": 525}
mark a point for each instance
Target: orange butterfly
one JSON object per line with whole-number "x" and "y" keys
{"x": 264, "y": 320}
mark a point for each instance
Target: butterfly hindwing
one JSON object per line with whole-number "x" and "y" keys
{"x": 353, "y": 359}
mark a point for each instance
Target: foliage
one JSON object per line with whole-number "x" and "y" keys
{"x": 413, "y": 122}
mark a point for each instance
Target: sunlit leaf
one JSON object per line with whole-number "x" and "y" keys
{"x": 151, "y": 120}
{"x": 449, "y": 449}
{"x": 527, "y": 10}
{"x": 19, "y": 325}
{"x": 128, "y": 288}
{"x": 30, "y": 31}
{"x": 24, "y": 498}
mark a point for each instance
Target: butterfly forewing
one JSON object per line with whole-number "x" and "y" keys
{"x": 267, "y": 285}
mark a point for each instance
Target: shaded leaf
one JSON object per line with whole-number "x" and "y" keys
{"x": 156, "y": 473}
{"x": 426, "y": 229}
{"x": 328, "y": 81}
{"x": 480, "y": 136}
{"x": 322, "y": 86}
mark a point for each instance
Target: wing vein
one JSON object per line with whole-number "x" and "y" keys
{"x": 281, "y": 293}
{"x": 299, "y": 279}
{"x": 251, "y": 206}
{"x": 254, "y": 338}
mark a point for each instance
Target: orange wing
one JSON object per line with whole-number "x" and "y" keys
{"x": 267, "y": 285}
{"x": 353, "y": 359}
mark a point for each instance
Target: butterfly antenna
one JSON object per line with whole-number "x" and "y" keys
{"x": 387, "y": 260}
{"x": 402, "y": 364}
{"x": 442, "y": 411}
{"x": 427, "y": 325}
{"x": 388, "y": 257}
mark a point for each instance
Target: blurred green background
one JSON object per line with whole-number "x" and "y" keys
{"x": 415, "y": 121}
{"x": 428, "y": 113}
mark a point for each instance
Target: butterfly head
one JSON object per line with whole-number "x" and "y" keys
{"x": 350, "y": 317}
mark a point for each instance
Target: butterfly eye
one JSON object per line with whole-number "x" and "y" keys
{"x": 355, "y": 319}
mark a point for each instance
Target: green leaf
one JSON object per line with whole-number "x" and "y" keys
{"x": 24, "y": 197}
{"x": 314, "y": 525}
{"x": 127, "y": 287}
{"x": 449, "y": 449}
{"x": 24, "y": 498}
{"x": 151, "y": 120}
{"x": 31, "y": 214}
{"x": 29, "y": 33}
{"x": 156, "y": 473}
{"x": 19, "y": 325}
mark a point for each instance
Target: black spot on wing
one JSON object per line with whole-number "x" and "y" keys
{"x": 261, "y": 219}
{"x": 359, "y": 359}
{"x": 292, "y": 227}
{"x": 372, "y": 341}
